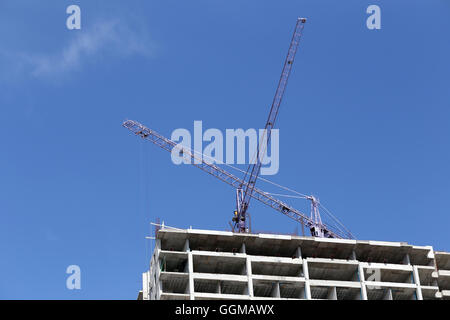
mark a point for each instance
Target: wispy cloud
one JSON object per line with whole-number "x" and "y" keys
{"x": 91, "y": 44}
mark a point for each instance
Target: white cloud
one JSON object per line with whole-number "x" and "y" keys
{"x": 90, "y": 44}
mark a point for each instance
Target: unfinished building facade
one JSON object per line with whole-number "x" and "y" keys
{"x": 205, "y": 264}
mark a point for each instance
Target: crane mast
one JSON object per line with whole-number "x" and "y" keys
{"x": 244, "y": 192}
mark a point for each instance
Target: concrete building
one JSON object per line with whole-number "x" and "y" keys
{"x": 204, "y": 264}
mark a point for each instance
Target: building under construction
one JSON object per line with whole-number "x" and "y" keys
{"x": 204, "y": 264}
{"x": 239, "y": 264}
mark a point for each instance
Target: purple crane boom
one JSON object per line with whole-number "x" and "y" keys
{"x": 243, "y": 196}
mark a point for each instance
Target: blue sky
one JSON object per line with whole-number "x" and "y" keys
{"x": 365, "y": 125}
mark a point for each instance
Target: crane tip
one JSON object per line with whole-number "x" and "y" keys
{"x": 303, "y": 20}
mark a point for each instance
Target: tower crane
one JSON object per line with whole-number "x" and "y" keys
{"x": 246, "y": 188}
{"x": 196, "y": 159}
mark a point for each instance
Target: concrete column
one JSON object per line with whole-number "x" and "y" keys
{"x": 145, "y": 285}
{"x": 332, "y": 294}
{"x": 151, "y": 274}
{"x": 352, "y": 255}
{"x": 298, "y": 252}
{"x": 276, "y": 290}
{"x": 219, "y": 288}
{"x": 307, "y": 286}
{"x": 159, "y": 287}
{"x": 157, "y": 269}
{"x": 242, "y": 250}
{"x": 186, "y": 247}
{"x": 417, "y": 282}
{"x": 406, "y": 259}
{"x": 302, "y": 294}
{"x": 355, "y": 276}
{"x": 388, "y": 295}
{"x": 191, "y": 275}
{"x": 362, "y": 280}
{"x": 249, "y": 276}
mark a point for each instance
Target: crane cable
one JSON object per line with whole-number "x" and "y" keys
{"x": 303, "y": 196}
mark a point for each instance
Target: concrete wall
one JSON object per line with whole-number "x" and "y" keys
{"x": 205, "y": 264}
